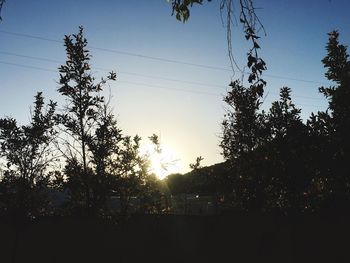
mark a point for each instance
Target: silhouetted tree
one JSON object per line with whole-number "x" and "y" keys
{"x": 338, "y": 70}
{"x": 83, "y": 100}
{"x": 129, "y": 170}
{"x": 120, "y": 168}
{"x": 241, "y": 136}
{"x": 100, "y": 161}
{"x": 285, "y": 156}
{"x": 319, "y": 161}
{"x": 27, "y": 153}
{"x": 197, "y": 164}
{"x": 241, "y": 124}
{"x": 280, "y": 163}
{"x": 267, "y": 152}
{"x": 155, "y": 197}
{"x": 104, "y": 145}
{"x": 241, "y": 130}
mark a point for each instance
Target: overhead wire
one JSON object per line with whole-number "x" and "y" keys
{"x": 142, "y": 84}
{"x": 120, "y": 52}
{"x": 119, "y": 72}
{"x": 154, "y": 58}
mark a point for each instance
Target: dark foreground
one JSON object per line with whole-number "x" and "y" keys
{"x": 239, "y": 238}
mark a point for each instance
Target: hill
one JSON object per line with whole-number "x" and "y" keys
{"x": 205, "y": 180}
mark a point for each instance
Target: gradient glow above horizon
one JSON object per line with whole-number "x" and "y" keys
{"x": 185, "y": 113}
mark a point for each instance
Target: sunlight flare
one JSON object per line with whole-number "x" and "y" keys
{"x": 163, "y": 162}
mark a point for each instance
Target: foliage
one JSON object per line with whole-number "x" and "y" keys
{"x": 285, "y": 155}
{"x": 251, "y": 26}
{"x": 182, "y": 8}
{"x": 101, "y": 162}
{"x": 197, "y": 164}
{"x": 104, "y": 145}
{"x": 338, "y": 70}
{"x": 280, "y": 163}
{"x": 241, "y": 124}
{"x": 27, "y": 153}
{"x": 81, "y": 113}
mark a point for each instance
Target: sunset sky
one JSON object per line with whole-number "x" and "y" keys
{"x": 171, "y": 76}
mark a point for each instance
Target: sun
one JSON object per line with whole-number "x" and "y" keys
{"x": 163, "y": 162}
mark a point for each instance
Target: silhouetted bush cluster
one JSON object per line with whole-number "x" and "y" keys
{"x": 72, "y": 161}
{"x": 279, "y": 163}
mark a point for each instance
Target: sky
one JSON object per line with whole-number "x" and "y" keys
{"x": 172, "y": 76}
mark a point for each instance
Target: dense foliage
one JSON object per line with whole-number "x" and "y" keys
{"x": 99, "y": 162}
{"x": 27, "y": 153}
{"x": 280, "y": 163}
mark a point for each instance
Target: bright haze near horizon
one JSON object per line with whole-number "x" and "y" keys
{"x": 172, "y": 76}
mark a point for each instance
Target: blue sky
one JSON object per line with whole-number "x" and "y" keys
{"x": 187, "y": 112}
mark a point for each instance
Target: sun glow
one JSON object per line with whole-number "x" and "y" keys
{"x": 163, "y": 162}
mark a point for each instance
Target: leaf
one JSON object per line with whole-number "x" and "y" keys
{"x": 260, "y": 90}
{"x": 251, "y": 60}
{"x": 251, "y": 78}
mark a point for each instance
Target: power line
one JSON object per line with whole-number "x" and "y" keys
{"x": 129, "y": 82}
{"x": 295, "y": 79}
{"x": 159, "y": 59}
{"x": 156, "y": 58}
{"x": 30, "y": 36}
{"x": 27, "y": 66}
{"x": 120, "y": 52}
{"x": 173, "y": 80}
{"x": 135, "y": 74}
{"x": 140, "y": 84}
{"x": 123, "y": 72}
{"x": 30, "y": 57}
{"x": 170, "y": 88}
